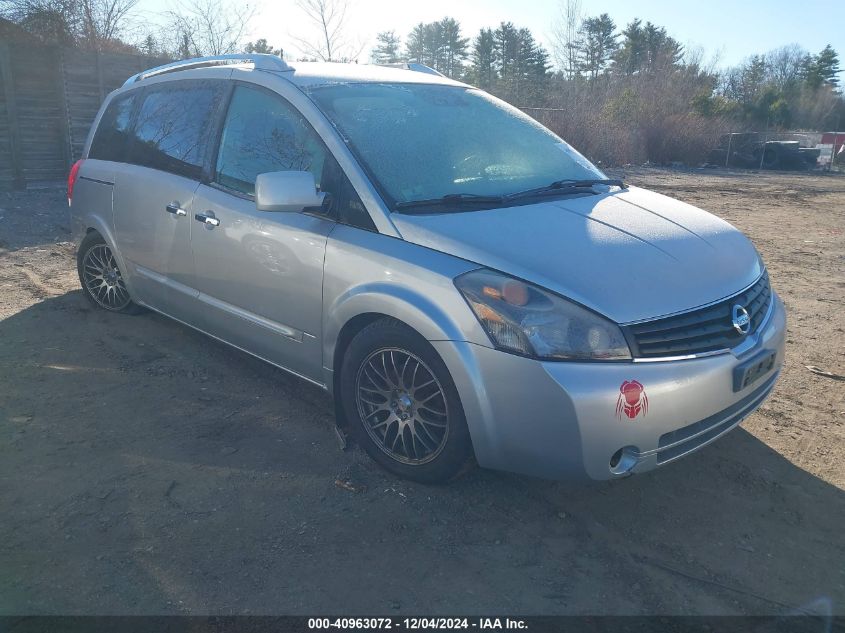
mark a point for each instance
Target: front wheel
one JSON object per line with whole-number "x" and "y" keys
{"x": 402, "y": 404}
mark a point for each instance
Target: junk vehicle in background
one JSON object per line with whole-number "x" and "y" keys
{"x": 748, "y": 150}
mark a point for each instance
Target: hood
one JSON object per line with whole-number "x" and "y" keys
{"x": 629, "y": 255}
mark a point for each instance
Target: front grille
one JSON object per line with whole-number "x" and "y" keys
{"x": 704, "y": 330}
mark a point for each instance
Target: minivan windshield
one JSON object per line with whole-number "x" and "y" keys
{"x": 422, "y": 142}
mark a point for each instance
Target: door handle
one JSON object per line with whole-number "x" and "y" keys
{"x": 208, "y": 220}
{"x": 175, "y": 209}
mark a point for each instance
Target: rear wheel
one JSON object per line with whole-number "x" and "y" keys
{"x": 101, "y": 278}
{"x": 402, "y": 404}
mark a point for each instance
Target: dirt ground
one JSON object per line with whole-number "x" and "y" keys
{"x": 147, "y": 469}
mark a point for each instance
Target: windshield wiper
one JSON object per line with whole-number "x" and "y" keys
{"x": 450, "y": 199}
{"x": 566, "y": 186}
{"x": 469, "y": 199}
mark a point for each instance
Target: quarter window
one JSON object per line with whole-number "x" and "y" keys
{"x": 346, "y": 206}
{"x": 263, "y": 133}
{"x": 112, "y": 133}
{"x": 172, "y": 127}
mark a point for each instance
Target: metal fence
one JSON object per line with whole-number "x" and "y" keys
{"x": 49, "y": 97}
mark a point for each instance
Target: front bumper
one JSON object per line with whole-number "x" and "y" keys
{"x": 559, "y": 420}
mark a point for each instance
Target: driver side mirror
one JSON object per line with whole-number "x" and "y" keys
{"x": 287, "y": 191}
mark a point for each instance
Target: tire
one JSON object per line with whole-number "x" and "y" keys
{"x": 393, "y": 380}
{"x": 101, "y": 278}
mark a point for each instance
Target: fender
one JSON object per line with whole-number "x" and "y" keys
{"x": 402, "y": 303}
{"x": 94, "y": 221}
{"x": 454, "y": 343}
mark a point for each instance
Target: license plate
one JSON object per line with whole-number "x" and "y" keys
{"x": 749, "y": 371}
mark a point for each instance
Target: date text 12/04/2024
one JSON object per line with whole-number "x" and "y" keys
{"x": 417, "y": 623}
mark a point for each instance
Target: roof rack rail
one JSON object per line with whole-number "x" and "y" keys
{"x": 415, "y": 66}
{"x": 259, "y": 61}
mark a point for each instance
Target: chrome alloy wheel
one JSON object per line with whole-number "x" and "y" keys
{"x": 102, "y": 278}
{"x": 402, "y": 406}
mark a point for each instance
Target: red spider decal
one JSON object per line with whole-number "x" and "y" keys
{"x": 632, "y": 400}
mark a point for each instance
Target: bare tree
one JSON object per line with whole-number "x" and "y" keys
{"x": 50, "y": 20}
{"x": 104, "y": 20}
{"x": 331, "y": 42}
{"x": 94, "y": 24}
{"x": 207, "y": 27}
{"x": 566, "y": 38}
{"x": 786, "y": 65}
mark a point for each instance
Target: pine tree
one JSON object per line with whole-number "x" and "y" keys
{"x": 387, "y": 49}
{"x": 744, "y": 84}
{"x": 454, "y": 47}
{"x": 597, "y": 45}
{"x": 662, "y": 52}
{"x": 261, "y": 46}
{"x": 186, "y": 48}
{"x": 646, "y": 49}
{"x": 483, "y": 60}
{"x": 505, "y": 44}
{"x": 522, "y": 64}
{"x": 149, "y": 46}
{"x": 823, "y": 68}
{"x": 415, "y": 44}
{"x": 631, "y": 54}
{"x": 439, "y": 45}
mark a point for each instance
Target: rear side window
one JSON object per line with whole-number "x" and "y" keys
{"x": 264, "y": 133}
{"x": 173, "y": 127}
{"x": 110, "y": 139}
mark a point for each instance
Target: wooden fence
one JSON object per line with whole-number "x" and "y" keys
{"x": 49, "y": 97}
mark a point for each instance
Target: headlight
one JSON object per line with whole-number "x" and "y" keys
{"x": 528, "y": 320}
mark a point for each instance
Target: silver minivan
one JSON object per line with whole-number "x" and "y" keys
{"x": 465, "y": 284}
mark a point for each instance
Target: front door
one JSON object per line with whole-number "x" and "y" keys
{"x": 260, "y": 274}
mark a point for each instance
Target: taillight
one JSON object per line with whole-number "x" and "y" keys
{"x": 71, "y": 180}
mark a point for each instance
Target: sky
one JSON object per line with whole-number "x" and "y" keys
{"x": 727, "y": 31}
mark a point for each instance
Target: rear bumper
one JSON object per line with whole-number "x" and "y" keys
{"x": 562, "y": 420}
